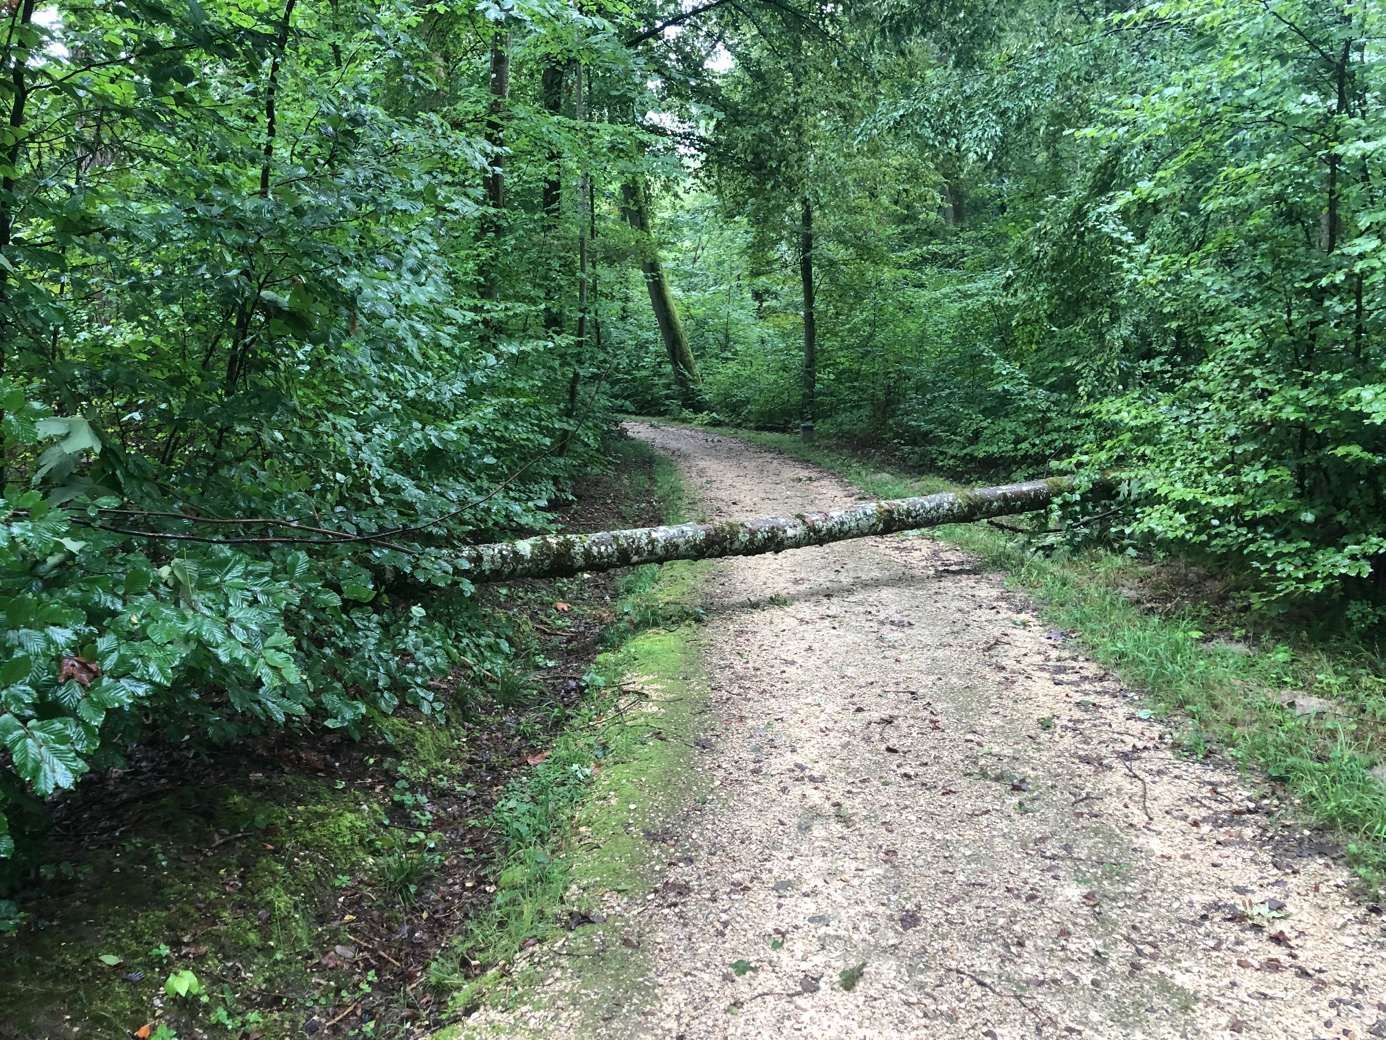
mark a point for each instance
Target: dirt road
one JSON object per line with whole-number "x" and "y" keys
{"x": 932, "y": 818}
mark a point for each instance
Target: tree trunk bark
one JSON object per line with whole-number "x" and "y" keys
{"x": 552, "y": 192}
{"x": 808, "y": 408}
{"x": 556, "y": 556}
{"x": 681, "y": 359}
{"x": 21, "y": 16}
{"x": 494, "y": 181}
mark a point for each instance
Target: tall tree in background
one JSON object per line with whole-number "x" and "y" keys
{"x": 636, "y": 208}
{"x": 769, "y": 156}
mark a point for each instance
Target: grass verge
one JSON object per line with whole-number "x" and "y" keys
{"x": 1309, "y": 713}
{"x": 573, "y": 824}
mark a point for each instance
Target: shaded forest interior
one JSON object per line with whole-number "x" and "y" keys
{"x": 297, "y": 296}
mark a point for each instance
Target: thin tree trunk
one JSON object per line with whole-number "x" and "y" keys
{"x": 552, "y": 192}
{"x": 272, "y": 95}
{"x": 681, "y": 360}
{"x": 580, "y": 113}
{"x": 21, "y": 17}
{"x": 495, "y": 179}
{"x": 808, "y": 408}
{"x": 554, "y": 556}
{"x": 584, "y": 229}
{"x": 954, "y": 192}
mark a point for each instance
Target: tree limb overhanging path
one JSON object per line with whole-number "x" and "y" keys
{"x": 927, "y": 817}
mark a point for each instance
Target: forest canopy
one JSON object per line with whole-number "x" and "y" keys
{"x": 295, "y": 297}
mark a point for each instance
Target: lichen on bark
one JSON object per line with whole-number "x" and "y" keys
{"x": 554, "y": 556}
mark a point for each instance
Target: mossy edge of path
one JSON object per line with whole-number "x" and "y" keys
{"x": 606, "y": 852}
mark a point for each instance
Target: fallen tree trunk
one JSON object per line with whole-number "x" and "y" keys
{"x": 562, "y": 555}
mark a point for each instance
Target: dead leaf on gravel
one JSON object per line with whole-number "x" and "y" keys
{"x": 628, "y": 939}
{"x": 809, "y": 983}
{"x": 909, "y": 919}
{"x": 1090, "y": 898}
{"x": 1236, "y": 1025}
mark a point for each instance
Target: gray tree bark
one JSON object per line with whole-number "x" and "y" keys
{"x": 686, "y": 378}
{"x": 562, "y": 555}
{"x": 808, "y": 405}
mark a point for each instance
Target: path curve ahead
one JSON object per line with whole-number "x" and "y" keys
{"x": 912, "y": 775}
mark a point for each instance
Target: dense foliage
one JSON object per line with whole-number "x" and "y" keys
{"x": 294, "y": 296}
{"x": 1144, "y": 238}
{"x": 276, "y": 335}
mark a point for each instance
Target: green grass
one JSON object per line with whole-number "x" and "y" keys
{"x": 607, "y": 756}
{"x": 1222, "y": 691}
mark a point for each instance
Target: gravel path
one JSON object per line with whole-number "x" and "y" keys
{"x": 917, "y": 785}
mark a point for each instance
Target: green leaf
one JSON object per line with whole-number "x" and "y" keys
{"x": 77, "y": 434}
{"x": 358, "y": 592}
{"x": 16, "y": 669}
{"x": 182, "y": 984}
{"x": 43, "y": 752}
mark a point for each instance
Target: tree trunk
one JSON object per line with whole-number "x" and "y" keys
{"x": 552, "y": 192}
{"x": 556, "y": 556}
{"x": 271, "y": 96}
{"x": 494, "y": 181}
{"x": 808, "y": 408}
{"x": 21, "y": 16}
{"x": 584, "y": 229}
{"x": 579, "y": 114}
{"x": 681, "y": 359}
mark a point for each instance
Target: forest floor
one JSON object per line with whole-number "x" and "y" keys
{"x": 311, "y": 884}
{"x": 910, "y": 810}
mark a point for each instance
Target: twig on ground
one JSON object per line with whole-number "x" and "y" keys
{"x": 332, "y": 1022}
{"x": 1126, "y": 761}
